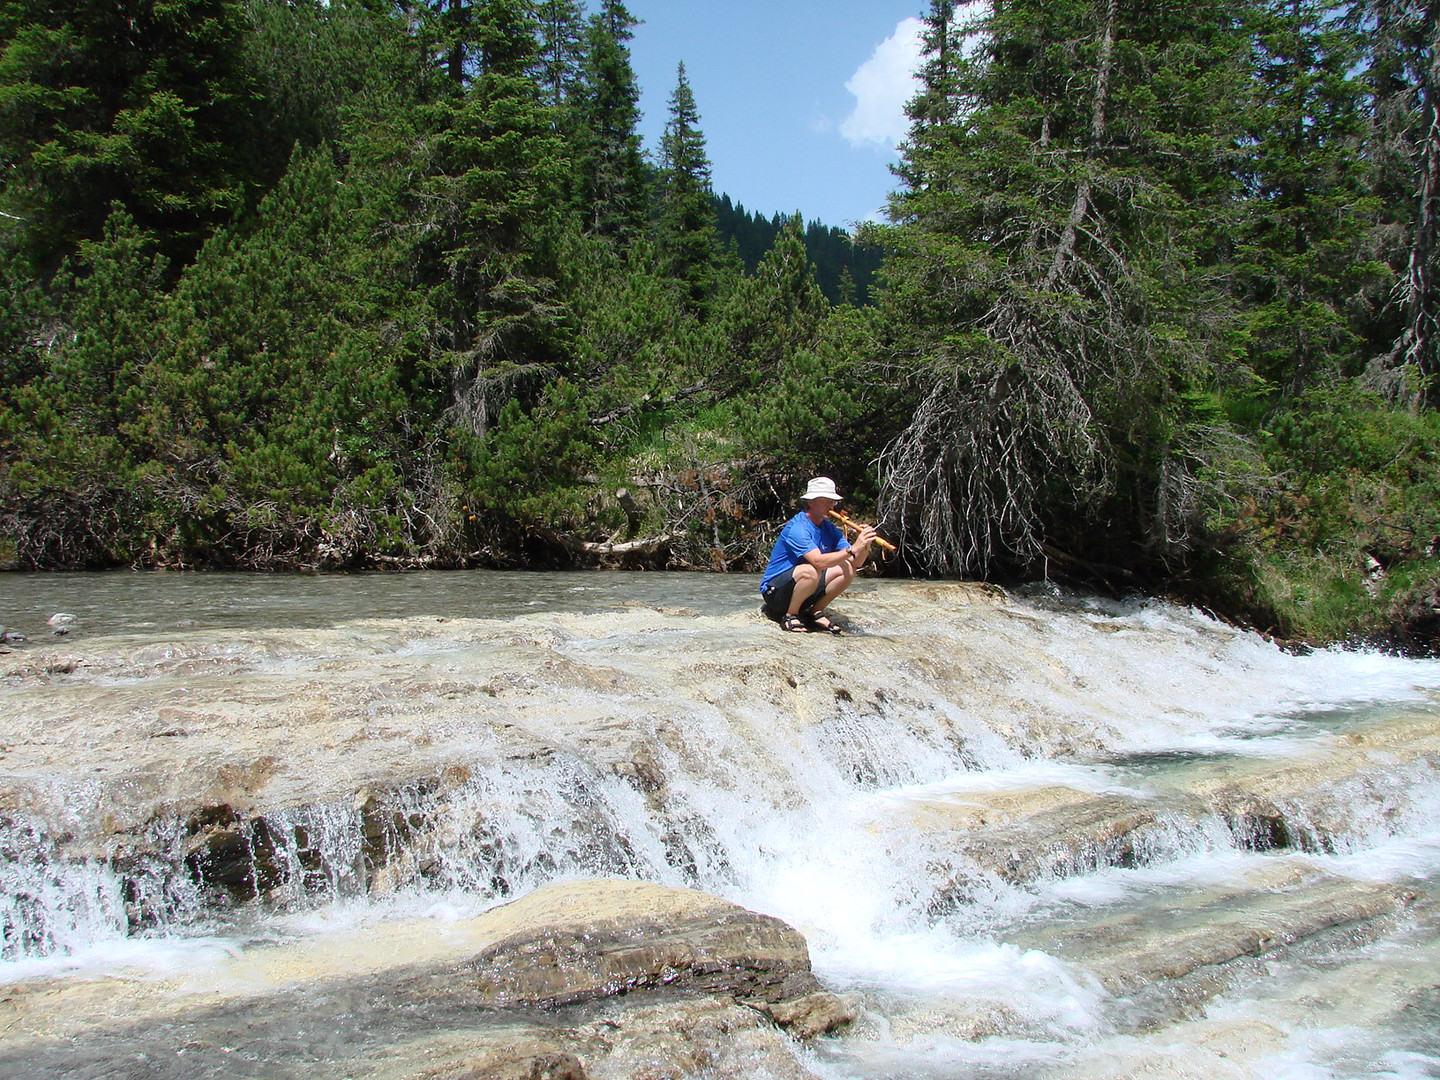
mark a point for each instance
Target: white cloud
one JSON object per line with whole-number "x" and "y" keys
{"x": 882, "y": 85}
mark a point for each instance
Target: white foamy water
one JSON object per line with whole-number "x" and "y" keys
{"x": 918, "y": 810}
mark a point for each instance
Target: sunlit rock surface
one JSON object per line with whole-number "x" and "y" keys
{"x": 669, "y": 978}
{"x": 583, "y": 941}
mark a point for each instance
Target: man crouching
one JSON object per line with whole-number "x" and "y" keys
{"x": 812, "y": 563}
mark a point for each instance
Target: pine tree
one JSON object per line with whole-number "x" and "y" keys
{"x": 501, "y": 163}
{"x": 750, "y": 233}
{"x": 76, "y": 489}
{"x": 326, "y": 68}
{"x": 608, "y": 163}
{"x": 1063, "y": 171}
{"x": 455, "y": 39}
{"x": 562, "y": 48}
{"x": 806, "y": 395}
{"x": 277, "y": 399}
{"x": 141, "y": 103}
{"x": 113, "y": 295}
{"x": 1405, "y": 76}
{"x": 686, "y": 240}
{"x": 767, "y": 318}
{"x": 934, "y": 105}
{"x": 23, "y": 306}
{"x": 1298, "y": 258}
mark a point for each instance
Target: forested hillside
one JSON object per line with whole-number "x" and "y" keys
{"x": 327, "y": 285}
{"x": 845, "y": 270}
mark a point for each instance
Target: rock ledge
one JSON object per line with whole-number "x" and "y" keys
{"x": 583, "y": 941}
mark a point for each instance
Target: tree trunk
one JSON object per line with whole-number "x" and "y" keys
{"x": 1081, "y": 208}
{"x": 1422, "y": 307}
{"x": 1411, "y": 35}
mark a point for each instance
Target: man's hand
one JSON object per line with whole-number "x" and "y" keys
{"x": 863, "y": 539}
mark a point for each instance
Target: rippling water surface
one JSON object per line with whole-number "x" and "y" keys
{"x": 128, "y": 602}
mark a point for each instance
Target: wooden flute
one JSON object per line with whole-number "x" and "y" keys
{"x": 851, "y": 523}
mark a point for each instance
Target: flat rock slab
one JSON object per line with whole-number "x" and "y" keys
{"x": 108, "y": 735}
{"x": 583, "y": 941}
{"x": 576, "y": 980}
{"x": 1148, "y": 946}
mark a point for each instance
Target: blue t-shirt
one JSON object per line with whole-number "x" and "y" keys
{"x": 799, "y": 537}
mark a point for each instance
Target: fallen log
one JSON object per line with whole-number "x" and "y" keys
{"x": 646, "y": 546}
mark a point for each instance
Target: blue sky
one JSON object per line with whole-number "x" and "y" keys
{"x": 782, "y": 130}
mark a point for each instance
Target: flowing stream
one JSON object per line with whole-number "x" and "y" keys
{"x": 1038, "y": 835}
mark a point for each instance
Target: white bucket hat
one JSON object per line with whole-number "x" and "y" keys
{"x": 821, "y": 487}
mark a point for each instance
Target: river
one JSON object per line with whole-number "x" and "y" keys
{"x": 1034, "y": 835}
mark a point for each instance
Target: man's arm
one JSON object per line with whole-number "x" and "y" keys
{"x": 857, "y": 552}
{"x": 824, "y": 560}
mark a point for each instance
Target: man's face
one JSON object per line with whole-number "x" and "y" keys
{"x": 821, "y": 506}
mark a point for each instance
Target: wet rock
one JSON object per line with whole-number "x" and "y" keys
{"x": 41, "y": 668}
{"x": 229, "y": 853}
{"x": 585, "y": 941}
{"x": 636, "y": 1038}
{"x": 1168, "y": 959}
{"x": 544, "y": 1065}
{"x": 814, "y": 1014}
{"x": 1096, "y": 832}
{"x": 698, "y": 1037}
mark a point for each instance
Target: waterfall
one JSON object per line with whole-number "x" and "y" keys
{"x": 1029, "y": 832}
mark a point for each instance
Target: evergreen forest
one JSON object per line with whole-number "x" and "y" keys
{"x": 361, "y": 284}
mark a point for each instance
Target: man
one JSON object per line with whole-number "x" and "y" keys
{"x": 812, "y": 563}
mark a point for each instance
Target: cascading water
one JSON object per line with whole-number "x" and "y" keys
{"x": 1037, "y": 836}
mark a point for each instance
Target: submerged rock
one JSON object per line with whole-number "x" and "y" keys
{"x": 62, "y": 623}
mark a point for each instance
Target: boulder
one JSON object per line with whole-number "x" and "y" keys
{"x": 584, "y": 941}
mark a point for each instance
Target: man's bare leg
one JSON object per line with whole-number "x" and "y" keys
{"x": 839, "y": 580}
{"x": 806, "y": 578}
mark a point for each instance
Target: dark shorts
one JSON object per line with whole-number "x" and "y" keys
{"x": 776, "y": 599}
